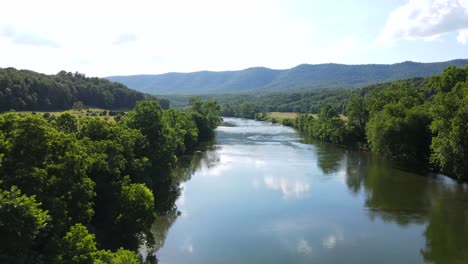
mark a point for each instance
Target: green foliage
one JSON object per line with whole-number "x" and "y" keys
{"x": 79, "y": 247}
{"x": 21, "y": 219}
{"x": 147, "y": 117}
{"x": 135, "y": 213}
{"x": 184, "y": 129}
{"x": 400, "y": 133}
{"x": 54, "y": 168}
{"x": 206, "y": 116}
{"x": 66, "y": 122}
{"x": 28, "y": 90}
{"x": 121, "y": 256}
{"x": 418, "y": 121}
{"x": 288, "y": 122}
{"x": 78, "y": 105}
{"x": 89, "y": 172}
{"x": 327, "y": 127}
{"x": 358, "y": 116}
{"x": 399, "y": 124}
{"x": 450, "y": 122}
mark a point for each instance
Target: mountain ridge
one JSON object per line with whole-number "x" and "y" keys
{"x": 300, "y": 77}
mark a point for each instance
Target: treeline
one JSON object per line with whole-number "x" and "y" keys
{"x": 425, "y": 124}
{"x": 28, "y": 90}
{"x": 86, "y": 190}
{"x": 248, "y": 105}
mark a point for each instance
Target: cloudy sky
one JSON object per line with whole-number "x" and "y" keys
{"x": 102, "y": 38}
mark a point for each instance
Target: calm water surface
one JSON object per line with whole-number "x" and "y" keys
{"x": 262, "y": 194}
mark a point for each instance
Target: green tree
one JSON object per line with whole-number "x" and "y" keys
{"x": 358, "y": 116}
{"x": 78, "y": 106}
{"x": 121, "y": 256}
{"x": 21, "y": 220}
{"x": 450, "y": 126}
{"x": 66, "y": 122}
{"x": 78, "y": 246}
{"x": 49, "y": 164}
{"x": 135, "y": 214}
{"x": 206, "y": 116}
{"x": 400, "y": 133}
{"x": 184, "y": 130}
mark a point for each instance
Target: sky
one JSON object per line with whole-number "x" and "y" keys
{"x": 104, "y": 38}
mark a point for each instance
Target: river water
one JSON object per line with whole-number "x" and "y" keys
{"x": 261, "y": 193}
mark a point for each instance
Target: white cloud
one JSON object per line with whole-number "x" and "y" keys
{"x": 425, "y": 19}
{"x": 125, "y": 38}
{"x": 26, "y": 38}
{"x": 463, "y": 36}
{"x": 189, "y": 35}
{"x": 335, "y": 19}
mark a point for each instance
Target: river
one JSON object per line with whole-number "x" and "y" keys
{"x": 264, "y": 194}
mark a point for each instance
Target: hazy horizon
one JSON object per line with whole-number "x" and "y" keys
{"x": 109, "y": 38}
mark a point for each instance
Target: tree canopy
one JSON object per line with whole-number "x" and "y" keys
{"x": 87, "y": 190}
{"x": 28, "y": 90}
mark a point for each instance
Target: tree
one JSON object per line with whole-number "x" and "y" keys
{"x": 49, "y": 164}
{"x": 400, "y": 133}
{"x": 183, "y": 129}
{"x": 21, "y": 220}
{"x": 206, "y": 116}
{"x": 121, "y": 256}
{"x": 66, "y": 122}
{"x": 358, "y": 116}
{"x": 78, "y": 106}
{"x": 450, "y": 126}
{"x": 79, "y": 247}
{"x": 135, "y": 214}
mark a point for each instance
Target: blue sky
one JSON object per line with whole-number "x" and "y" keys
{"x": 102, "y": 38}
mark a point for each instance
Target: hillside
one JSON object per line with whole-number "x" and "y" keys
{"x": 28, "y": 90}
{"x": 302, "y": 77}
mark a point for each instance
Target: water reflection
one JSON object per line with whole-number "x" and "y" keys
{"x": 447, "y": 232}
{"x": 288, "y": 187}
{"x": 205, "y": 156}
{"x": 303, "y": 247}
{"x": 261, "y": 195}
{"x": 394, "y": 195}
{"x": 356, "y": 169}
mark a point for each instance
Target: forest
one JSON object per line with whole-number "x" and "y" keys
{"x": 28, "y": 90}
{"x": 247, "y": 105}
{"x": 423, "y": 122}
{"x": 87, "y": 190}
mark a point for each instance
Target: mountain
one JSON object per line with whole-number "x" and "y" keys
{"x": 29, "y": 90}
{"x": 302, "y": 77}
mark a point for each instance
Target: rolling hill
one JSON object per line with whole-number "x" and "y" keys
{"x": 29, "y": 90}
{"x": 302, "y": 77}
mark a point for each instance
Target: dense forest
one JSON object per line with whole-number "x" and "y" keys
{"x": 247, "y": 105}
{"x": 87, "y": 190}
{"x": 423, "y": 122}
{"x": 28, "y": 90}
{"x": 304, "y": 77}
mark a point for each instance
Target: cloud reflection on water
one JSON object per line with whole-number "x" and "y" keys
{"x": 303, "y": 247}
{"x": 289, "y": 187}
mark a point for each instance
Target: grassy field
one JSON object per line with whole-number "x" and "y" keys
{"x": 88, "y": 112}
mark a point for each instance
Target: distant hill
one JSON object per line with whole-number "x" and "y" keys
{"x": 302, "y": 77}
{"x": 28, "y": 90}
